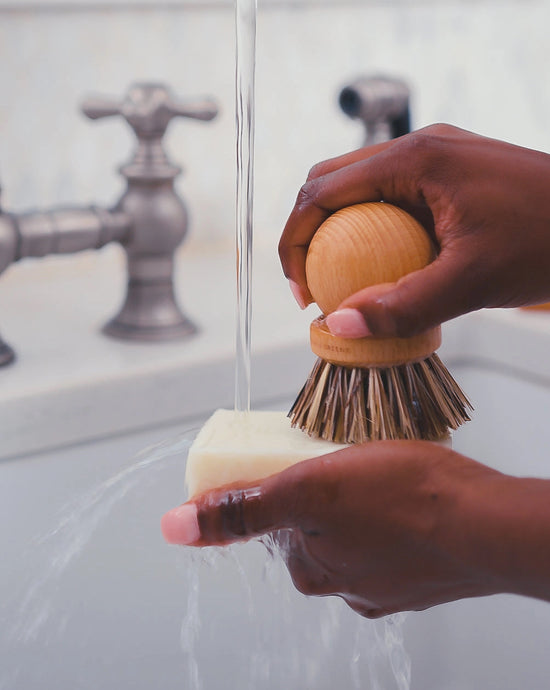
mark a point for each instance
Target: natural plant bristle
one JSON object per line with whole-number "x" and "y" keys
{"x": 416, "y": 401}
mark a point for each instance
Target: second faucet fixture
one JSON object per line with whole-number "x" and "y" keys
{"x": 150, "y": 219}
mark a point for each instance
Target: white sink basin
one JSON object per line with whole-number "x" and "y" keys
{"x": 98, "y": 600}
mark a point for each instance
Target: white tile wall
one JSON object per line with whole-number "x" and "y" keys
{"x": 479, "y": 65}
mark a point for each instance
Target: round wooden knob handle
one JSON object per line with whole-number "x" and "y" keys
{"x": 357, "y": 247}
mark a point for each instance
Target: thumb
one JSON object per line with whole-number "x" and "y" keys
{"x": 444, "y": 289}
{"x": 231, "y": 514}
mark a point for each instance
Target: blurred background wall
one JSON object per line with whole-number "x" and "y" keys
{"x": 480, "y": 65}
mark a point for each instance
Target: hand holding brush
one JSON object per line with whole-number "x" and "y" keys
{"x": 485, "y": 203}
{"x": 372, "y": 388}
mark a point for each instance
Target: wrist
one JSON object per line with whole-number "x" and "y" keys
{"x": 503, "y": 531}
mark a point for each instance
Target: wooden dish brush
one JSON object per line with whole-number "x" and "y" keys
{"x": 373, "y": 388}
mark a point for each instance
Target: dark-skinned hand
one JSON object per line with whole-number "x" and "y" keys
{"x": 485, "y": 203}
{"x": 388, "y": 526}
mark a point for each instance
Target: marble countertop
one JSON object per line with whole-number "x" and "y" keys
{"x": 70, "y": 383}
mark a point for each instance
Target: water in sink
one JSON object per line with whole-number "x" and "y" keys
{"x": 84, "y": 607}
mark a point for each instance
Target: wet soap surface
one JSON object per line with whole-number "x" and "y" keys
{"x": 244, "y": 447}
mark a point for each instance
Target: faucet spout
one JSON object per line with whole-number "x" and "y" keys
{"x": 9, "y": 240}
{"x": 69, "y": 230}
{"x": 382, "y": 105}
{"x": 8, "y": 252}
{"x": 59, "y": 231}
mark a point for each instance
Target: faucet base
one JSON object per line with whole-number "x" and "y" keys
{"x": 149, "y": 333}
{"x": 151, "y": 314}
{"x": 7, "y": 355}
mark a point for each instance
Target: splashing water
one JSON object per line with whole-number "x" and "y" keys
{"x": 239, "y": 606}
{"x": 76, "y": 524}
{"x": 285, "y": 639}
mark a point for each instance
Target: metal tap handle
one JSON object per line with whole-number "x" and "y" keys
{"x": 381, "y": 103}
{"x": 149, "y": 108}
{"x": 159, "y": 215}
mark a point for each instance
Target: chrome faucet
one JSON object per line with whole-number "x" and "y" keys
{"x": 150, "y": 219}
{"x": 381, "y": 103}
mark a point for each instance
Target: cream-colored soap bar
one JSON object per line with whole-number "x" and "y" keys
{"x": 245, "y": 447}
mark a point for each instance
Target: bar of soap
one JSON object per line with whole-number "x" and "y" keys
{"x": 246, "y": 447}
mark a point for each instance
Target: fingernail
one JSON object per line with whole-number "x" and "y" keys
{"x": 347, "y": 323}
{"x": 298, "y": 294}
{"x": 181, "y": 525}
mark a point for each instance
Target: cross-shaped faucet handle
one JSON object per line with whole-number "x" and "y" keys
{"x": 149, "y": 108}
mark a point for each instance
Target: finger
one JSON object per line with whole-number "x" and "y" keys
{"x": 332, "y": 164}
{"x": 221, "y": 517}
{"x": 242, "y": 513}
{"x": 386, "y": 175}
{"x": 398, "y": 171}
{"x": 232, "y": 514}
{"x": 293, "y": 254}
{"x": 423, "y": 299}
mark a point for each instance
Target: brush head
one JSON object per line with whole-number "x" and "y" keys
{"x": 413, "y": 401}
{"x": 373, "y": 388}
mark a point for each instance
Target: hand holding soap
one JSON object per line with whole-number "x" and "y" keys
{"x": 243, "y": 447}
